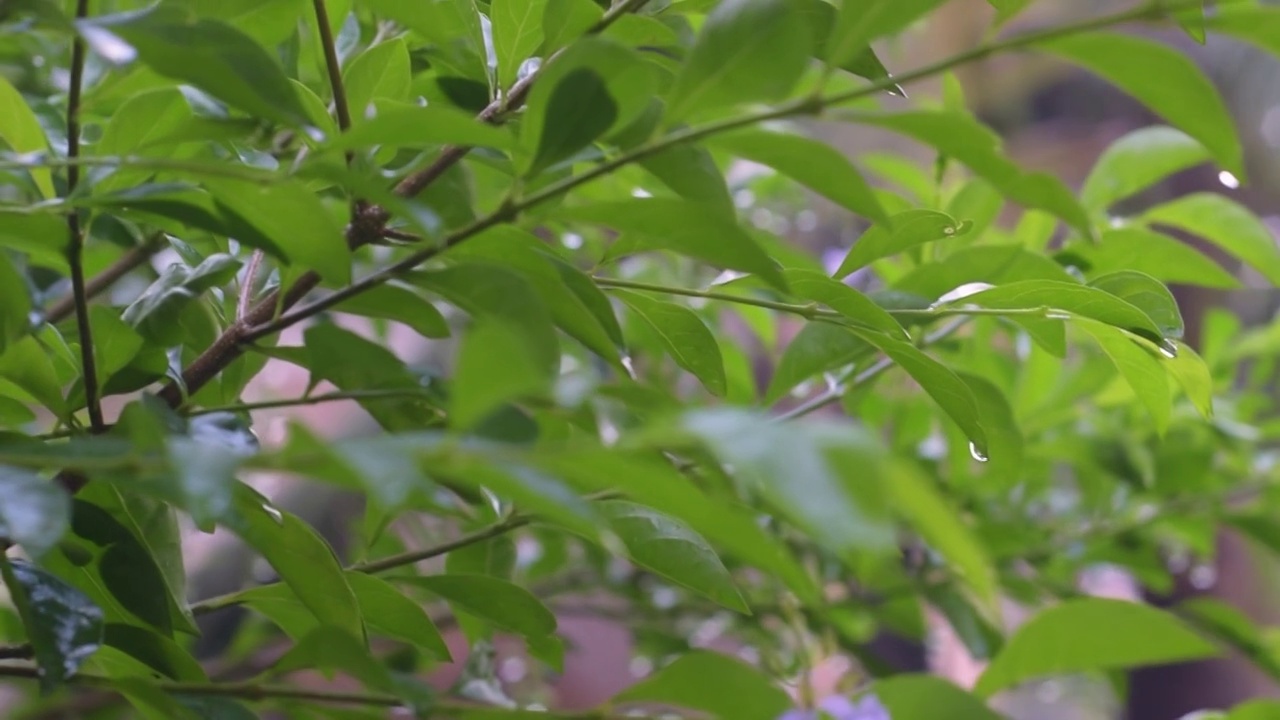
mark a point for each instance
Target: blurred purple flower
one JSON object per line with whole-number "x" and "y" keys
{"x": 867, "y": 707}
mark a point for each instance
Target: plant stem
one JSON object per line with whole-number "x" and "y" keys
{"x": 336, "y": 396}
{"x": 133, "y": 258}
{"x": 333, "y": 68}
{"x": 75, "y": 247}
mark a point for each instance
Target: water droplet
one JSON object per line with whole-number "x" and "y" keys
{"x": 274, "y": 513}
{"x": 629, "y": 366}
{"x": 1228, "y": 180}
{"x": 978, "y": 453}
{"x": 1168, "y": 348}
{"x": 1203, "y": 577}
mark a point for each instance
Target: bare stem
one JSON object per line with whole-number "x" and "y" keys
{"x": 333, "y": 67}
{"x": 337, "y": 396}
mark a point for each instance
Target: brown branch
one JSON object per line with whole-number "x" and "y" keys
{"x": 133, "y": 258}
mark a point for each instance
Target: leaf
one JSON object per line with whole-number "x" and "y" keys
{"x": 380, "y": 72}
{"x": 63, "y": 625}
{"x": 1073, "y": 298}
{"x": 583, "y": 110}
{"x": 393, "y": 302}
{"x": 1224, "y": 223}
{"x": 994, "y": 264}
{"x": 1089, "y": 635}
{"x": 155, "y": 651}
{"x": 1004, "y": 465}
{"x": 926, "y": 696}
{"x": 21, "y": 131}
{"x": 944, "y": 386}
{"x": 517, "y": 33}
{"x": 564, "y": 21}
{"x": 495, "y": 601}
{"x": 685, "y": 337}
{"x": 861, "y": 21}
{"x": 1148, "y": 295}
{"x": 292, "y": 218}
{"x": 909, "y": 229}
{"x": 814, "y": 286}
{"x": 302, "y": 558}
{"x": 1192, "y": 20}
{"x": 1184, "y": 96}
{"x": 819, "y": 347}
{"x": 1194, "y": 376}
{"x": 685, "y": 682}
{"x": 980, "y": 637}
{"x": 491, "y": 371}
{"x": 1156, "y": 254}
{"x": 412, "y": 126}
{"x": 1137, "y": 161}
{"x": 963, "y": 138}
{"x": 746, "y": 51}
{"x": 821, "y": 19}
{"x": 690, "y": 172}
{"x": 1139, "y": 367}
{"x": 819, "y": 167}
{"x": 1229, "y": 625}
{"x": 673, "y": 550}
{"x": 696, "y": 230}
{"x": 34, "y": 512}
{"x": 332, "y": 648}
{"x": 940, "y": 526}
{"x": 208, "y": 54}
{"x": 154, "y": 314}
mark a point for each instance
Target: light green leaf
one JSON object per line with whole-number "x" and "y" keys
{"x": 927, "y": 696}
{"x": 961, "y": 137}
{"x": 495, "y": 601}
{"x": 15, "y": 304}
{"x": 820, "y": 16}
{"x": 673, "y": 550}
{"x": 1137, "y": 161}
{"x": 381, "y": 72}
{"x": 1148, "y": 295}
{"x": 1225, "y": 223}
{"x": 1184, "y": 96}
{"x": 491, "y": 371}
{"x": 816, "y": 287}
{"x": 1004, "y": 466}
{"x": 909, "y": 229}
{"x": 34, "y": 512}
{"x": 746, "y": 51}
{"x": 1192, "y": 20}
{"x": 1069, "y": 297}
{"x": 819, "y": 347}
{"x": 684, "y": 684}
{"x": 517, "y": 33}
{"x": 41, "y": 238}
{"x": 1150, "y": 252}
{"x": 994, "y": 264}
{"x": 861, "y": 21}
{"x": 687, "y": 339}
{"x": 303, "y": 560}
{"x": 393, "y": 302}
{"x": 819, "y": 167}
{"x": 63, "y": 625}
{"x": 20, "y": 130}
{"x": 411, "y": 126}
{"x": 696, "y": 230}
{"x": 333, "y": 648}
{"x": 690, "y": 172}
{"x": 1194, "y": 376}
{"x": 1141, "y": 368}
{"x": 1088, "y": 635}
{"x": 208, "y": 54}
{"x": 564, "y": 21}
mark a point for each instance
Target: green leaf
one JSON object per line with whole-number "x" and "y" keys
{"x": 816, "y": 287}
{"x": 963, "y": 138}
{"x": 1007, "y": 9}
{"x": 292, "y": 218}
{"x": 1194, "y": 376}
{"x": 1148, "y": 295}
{"x": 686, "y": 338}
{"x": 927, "y": 696}
{"x": 412, "y": 127}
{"x": 697, "y": 230}
{"x": 820, "y": 16}
{"x": 685, "y": 682}
{"x": 115, "y": 344}
{"x": 491, "y": 371}
{"x": 1137, "y": 161}
{"x": 690, "y": 172}
{"x": 1004, "y": 466}
{"x": 819, "y": 347}
{"x": 1254, "y": 24}
{"x": 1192, "y": 20}
{"x": 746, "y": 51}
{"x": 517, "y": 33}
{"x": 381, "y": 72}
{"x": 1072, "y": 298}
{"x": 154, "y": 314}
{"x": 495, "y": 601}
{"x": 809, "y": 162}
{"x": 1224, "y": 223}
{"x": 944, "y": 386}
{"x": 302, "y": 558}
{"x": 332, "y": 648}
{"x": 1141, "y": 368}
{"x": 1227, "y": 624}
{"x": 861, "y": 21}
{"x": 393, "y": 302}
{"x": 940, "y": 525}
{"x": 34, "y": 512}
{"x": 63, "y": 625}
{"x": 582, "y": 110}
{"x": 20, "y": 130}
{"x": 26, "y": 364}
{"x": 42, "y": 238}
{"x": 1156, "y": 254}
{"x": 208, "y": 54}
{"x": 155, "y": 651}
{"x": 909, "y": 229}
{"x": 1090, "y": 635}
{"x": 1184, "y": 96}
{"x": 564, "y": 21}
{"x": 673, "y": 550}
{"x": 980, "y": 637}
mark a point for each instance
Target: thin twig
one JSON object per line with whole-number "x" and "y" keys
{"x": 132, "y": 259}
{"x": 333, "y": 68}
{"x": 75, "y": 248}
{"x": 248, "y": 284}
{"x": 337, "y": 396}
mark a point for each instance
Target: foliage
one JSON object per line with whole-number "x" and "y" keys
{"x": 544, "y": 185}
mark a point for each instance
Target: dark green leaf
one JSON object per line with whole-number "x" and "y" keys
{"x": 1224, "y": 223}
{"x": 1184, "y": 97}
{"x": 332, "y": 648}
{"x": 690, "y": 172}
{"x": 746, "y": 51}
{"x": 582, "y": 110}
{"x": 63, "y": 625}
{"x": 685, "y": 337}
{"x": 393, "y": 302}
{"x": 673, "y": 550}
{"x": 1092, "y": 634}
{"x": 1137, "y": 161}
{"x": 155, "y": 313}
{"x": 1148, "y": 295}
{"x": 861, "y": 21}
{"x": 155, "y": 651}
{"x": 684, "y": 684}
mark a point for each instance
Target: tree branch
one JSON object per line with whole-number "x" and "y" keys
{"x": 333, "y": 67}
{"x": 132, "y": 259}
